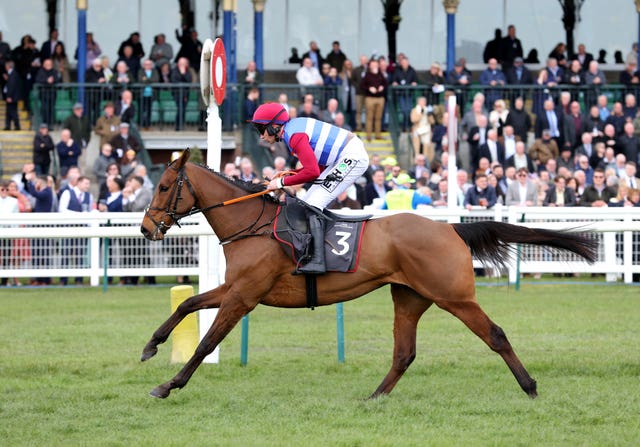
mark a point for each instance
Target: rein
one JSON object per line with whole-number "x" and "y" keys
{"x": 171, "y": 210}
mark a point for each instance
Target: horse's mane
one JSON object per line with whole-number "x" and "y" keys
{"x": 249, "y": 187}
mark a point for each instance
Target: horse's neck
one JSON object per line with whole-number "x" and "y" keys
{"x": 227, "y": 220}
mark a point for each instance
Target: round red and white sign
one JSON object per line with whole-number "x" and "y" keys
{"x": 218, "y": 71}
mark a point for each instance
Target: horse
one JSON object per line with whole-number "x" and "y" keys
{"x": 424, "y": 262}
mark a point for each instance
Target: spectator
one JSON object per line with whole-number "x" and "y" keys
{"x": 559, "y": 54}
{"x": 68, "y": 152}
{"x": 132, "y": 41}
{"x": 161, "y": 51}
{"x": 147, "y": 76}
{"x": 565, "y": 160}
{"x": 348, "y": 93}
{"x": 376, "y": 189}
{"x": 374, "y": 85}
{"x": 8, "y": 205}
{"x": 493, "y": 49}
{"x": 560, "y": 194}
{"x": 12, "y": 95}
{"x": 191, "y": 47}
{"x": 492, "y": 150}
{"x": 404, "y": 75}
{"x": 543, "y": 149}
{"x": 41, "y": 249}
{"x": 593, "y": 75}
{"x": 582, "y": 56}
{"x": 630, "y": 175}
{"x": 630, "y": 108}
{"x": 42, "y": 148}
{"x": 339, "y": 121}
{"x": 123, "y": 142}
{"x": 434, "y": 80}
{"x": 628, "y": 143}
{"x": 95, "y": 75}
{"x": 125, "y": 108}
{"x": 135, "y": 199}
{"x": 61, "y": 63}
{"x": 123, "y": 76}
{"x": 405, "y": 198}
{"x": 104, "y": 160}
{"x": 630, "y": 76}
{"x": 48, "y": 47}
{"x": 522, "y": 192}
{"x": 111, "y": 169}
{"x": 106, "y": 68}
{"x": 520, "y": 159}
{"x": 113, "y": 201}
{"x": 247, "y": 172}
{"x": 551, "y": 120}
{"x": 574, "y": 125}
{"x": 79, "y": 126}
{"x": 314, "y": 55}
{"x": 357, "y": 75}
{"x": 108, "y": 125}
{"x": 508, "y": 141}
{"x": 594, "y": 123}
{"x": 511, "y": 49}
{"x": 307, "y": 74}
{"x": 575, "y": 75}
{"x": 27, "y": 62}
{"x": 252, "y": 77}
{"x": 93, "y": 51}
{"x": 336, "y": 57}
{"x": 329, "y": 114}
{"x": 422, "y": 121}
{"x": 498, "y": 116}
{"x": 481, "y": 195}
{"x": 517, "y": 74}
{"x": 494, "y": 79}
{"x": 598, "y": 194}
{"x": 181, "y": 74}
{"x": 76, "y": 199}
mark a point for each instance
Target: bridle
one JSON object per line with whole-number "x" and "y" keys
{"x": 171, "y": 210}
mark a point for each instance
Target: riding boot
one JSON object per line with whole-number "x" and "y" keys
{"x": 316, "y": 265}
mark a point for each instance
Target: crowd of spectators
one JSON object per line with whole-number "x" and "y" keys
{"x": 568, "y": 151}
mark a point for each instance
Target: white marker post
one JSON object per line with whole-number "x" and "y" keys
{"x": 213, "y": 83}
{"x": 452, "y": 131}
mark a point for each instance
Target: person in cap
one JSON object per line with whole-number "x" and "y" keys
{"x": 123, "y": 142}
{"x": 79, "y": 125}
{"x": 331, "y": 158}
{"x": 403, "y": 197}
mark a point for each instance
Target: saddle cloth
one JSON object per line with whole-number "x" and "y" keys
{"x": 342, "y": 237}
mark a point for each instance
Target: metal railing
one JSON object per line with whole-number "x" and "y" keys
{"x": 97, "y": 245}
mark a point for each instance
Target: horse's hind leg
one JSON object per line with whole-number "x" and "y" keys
{"x": 230, "y": 312}
{"x": 206, "y": 300}
{"x": 470, "y": 313}
{"x": 408, "y": 308}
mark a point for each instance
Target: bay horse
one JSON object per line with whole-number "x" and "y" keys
{"x": 424, "y": 261}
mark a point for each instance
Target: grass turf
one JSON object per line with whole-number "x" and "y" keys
{"x": 70, "y": 374}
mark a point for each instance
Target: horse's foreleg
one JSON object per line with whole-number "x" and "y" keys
{"x": 408, "y": 308}
{"x": 230, "y": 312}
{"x": 473, "y": 316}
{"x": 207, "y": 300}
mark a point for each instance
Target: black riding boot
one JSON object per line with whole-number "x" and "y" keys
{"x": 316, "y": 265}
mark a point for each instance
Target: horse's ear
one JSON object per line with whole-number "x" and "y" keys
{"x": 184, "y": 158}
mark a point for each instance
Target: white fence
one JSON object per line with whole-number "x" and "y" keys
{"x": 74, "y": 245}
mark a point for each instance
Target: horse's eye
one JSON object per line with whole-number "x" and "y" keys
{"x": 164, "y": 188}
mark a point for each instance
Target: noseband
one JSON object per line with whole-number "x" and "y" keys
{"x": 171, "y": 210}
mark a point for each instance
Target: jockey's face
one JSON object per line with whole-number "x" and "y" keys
{"x": 268, "y": 138}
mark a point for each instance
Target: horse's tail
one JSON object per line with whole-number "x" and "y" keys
{"x": 489, "y": 241}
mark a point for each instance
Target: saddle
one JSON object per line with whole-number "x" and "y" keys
{"x": 342, "y": 235}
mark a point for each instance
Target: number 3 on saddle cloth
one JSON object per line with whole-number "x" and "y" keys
{"x": 342, "y": 236}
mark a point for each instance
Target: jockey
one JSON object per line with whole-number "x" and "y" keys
{"x": 332, "y": 158}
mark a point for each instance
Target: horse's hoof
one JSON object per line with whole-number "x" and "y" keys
{"x": 160, "y": 392}
{"x": 148, "y": 352}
